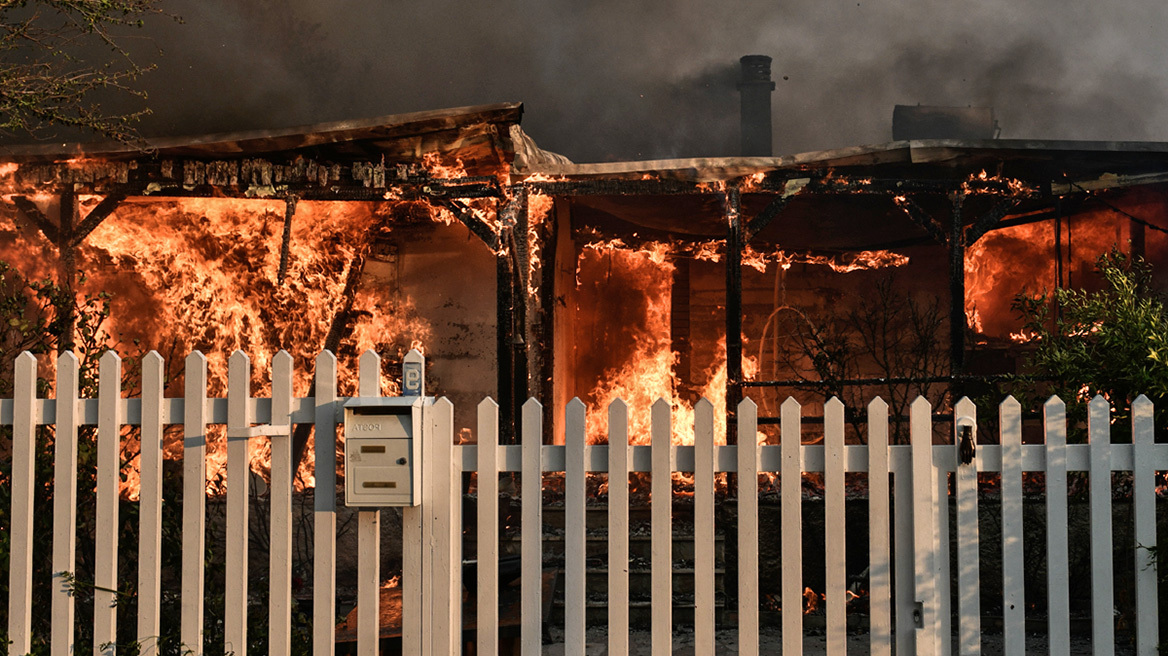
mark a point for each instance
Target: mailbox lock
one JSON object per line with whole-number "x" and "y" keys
{"x": 401, "y": 461}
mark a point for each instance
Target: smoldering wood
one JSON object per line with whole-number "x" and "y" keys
{"x": 764, "y": 218}
{"x": 286, "y": 242}
{"x": 989, "y": 220}
{"x": 467, "y": 217}
{"x": 957, "y": 294}
{"x": 339, "y": 326}
{"x": 923, "y": 219}
{"x": 734, "y": 244}
{"x": 99, "y": 213}
{"x": 37, "y": 217}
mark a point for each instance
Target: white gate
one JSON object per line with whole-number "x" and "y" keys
{"x": 920, "y": 596}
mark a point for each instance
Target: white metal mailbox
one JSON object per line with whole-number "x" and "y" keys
{"x": 383, "y": 446}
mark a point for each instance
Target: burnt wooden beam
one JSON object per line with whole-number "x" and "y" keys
{"x": 38, "y": 218}
{"x": 734, "y": 243}
{"x": 286, "y": 242}
{"x": 99, "y": 213}
{"x": 765, "y": 217}
{"x": 473, "y": 223}
{"x": 70, "y": 212}
{"x": 922, "y": 218}
{"x": 338, "y": 328}
{"x": 957, "y": 292}
{"x": 989, "y": 220}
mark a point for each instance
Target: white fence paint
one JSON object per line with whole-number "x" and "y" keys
{"x": 432, "y": 580}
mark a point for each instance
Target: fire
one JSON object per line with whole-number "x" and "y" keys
{"x": 539, "y": 206}
{"x": 436, "y": 168}
{"x": 205, "y": 274}
{"x": 1022, "y": 259}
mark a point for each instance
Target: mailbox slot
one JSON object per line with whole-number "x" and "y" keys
{"x": 383, "y": 451}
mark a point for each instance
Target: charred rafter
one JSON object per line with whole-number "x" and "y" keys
{"x": 38, "y": 218}
{"x": 764, "y": 217}
{"x": 286, "y": 242}
{"x": 98, "y": 214}
{"x": 468, "y": 218}
{"x": 990, "y": 220}
{"x": 922, "y": 218}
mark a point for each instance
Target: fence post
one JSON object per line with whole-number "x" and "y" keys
{"x": 194, "y": 500}
{"x": 1102, "y": 586}
{"x": 150, "y": 506}
{"x": 968, "y": 565}
{"x": 369, "y": 536}
{"x": 924, "y": 529}
{"x": 238, "y": 472}
{"x": 105, "y": 573}
{"x": 64, "y": 505}
{"x": 324, "y": 508}
{"x": 280, "y": 498}
{"x": 1144, "y": 509}
{"x": 618, "y": 530}
{"x": 879, "y": 542}
{"x": 23, "y": 483}
{"x": 791, "y": 514}
{"x": 487, "y": 541}
{"x": 1013, "y": 568}
{"x": 1057, "y": 568}
{"x": 415, "y": 563}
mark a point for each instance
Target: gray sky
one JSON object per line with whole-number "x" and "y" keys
{"x": 623, "y": 79}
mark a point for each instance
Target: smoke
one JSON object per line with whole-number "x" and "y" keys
{"x": 634, "y": 80}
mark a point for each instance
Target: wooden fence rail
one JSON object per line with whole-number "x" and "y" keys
{"x": 912, "y": 602}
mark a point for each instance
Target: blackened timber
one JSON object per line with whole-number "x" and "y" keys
{"x": 920, "y": 217}
{"x": 338, "y": 328}
{"x": 473, "y": 223}
{"x": 767, "y": 215}
{"x": 70, "y": 209}
{"x": 286, "y": 242}
{"x": 524, "y": 384}
{"x": 38, "y": 218}
{"x": 608, "y": 187}
{"x": 957, "y": 291}
{"x": 989, "y": 220}
{"x": 734, "y": 245}
{"x": 98, "y": 214}
{"x": 504, "y": 350}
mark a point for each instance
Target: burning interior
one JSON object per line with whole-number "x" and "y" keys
{"x": 882, "y": 270}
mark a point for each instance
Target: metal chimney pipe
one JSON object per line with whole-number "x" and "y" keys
{"x": 756, "y": 88}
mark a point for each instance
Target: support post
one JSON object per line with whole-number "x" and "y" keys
{"x": 733, "y": 310}
{"x": 69, "y": 217}
{"x": 957, "y": 291}
{"x": 286, "y": 242}
{"x": 504, "y": 334}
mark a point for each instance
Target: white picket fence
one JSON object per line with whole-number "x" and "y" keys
{"x": 919, "y": 596}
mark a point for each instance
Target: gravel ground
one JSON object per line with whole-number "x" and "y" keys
{"x": 770, "y": 642}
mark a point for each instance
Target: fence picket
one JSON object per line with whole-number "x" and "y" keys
{"x": 150, "y": 506}
{"x": 747, "y": 528}
{"x": 703, "y": 527}
{"x": 618, "y": 528}
{"x": 238, "y": 473}
{"x": 661, "y": 522}
{"x": 194, "y": 500}
{"x": 446, "y": 604}
{"x": 1102, "y": 592}
{"x": 1144, "y": 509}
{"x": 1013, "y": 569}
{"x": 1057, "y": 554}
{"x": 23, "y": 483}
{"x": 64, "y": 505}
{"x": 791, "y": 515}
{"x": 280, "y": 498}
{"x": 487, "y": 541}
{"x": 902, "y": 497}
{"x": 369, "y": 534}
{"x": 924, "y": 530}
{"x": 575, "y": 549}
{"x": 835, "y": 519}
{"x": 324, "y": 507}
{"x": 968, "y": 558}
{"x": 879, "y": 552}
{"x": 105, "y": 571}
{"x": 415, "y": 560}
{"x": 531, "y": 632}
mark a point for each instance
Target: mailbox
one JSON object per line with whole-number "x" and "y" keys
{"x": 383, "y": 446}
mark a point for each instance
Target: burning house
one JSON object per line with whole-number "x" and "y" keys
{"x": 886, "y": 269}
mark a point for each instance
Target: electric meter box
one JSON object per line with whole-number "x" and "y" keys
{"x": 383, "y": 446}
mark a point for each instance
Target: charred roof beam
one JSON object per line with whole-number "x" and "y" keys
{"x": 38, "y": 218}
{"x": 98, "y": 214}
{"x": 990, "y": 220}
{"x": 922, "y": 218}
